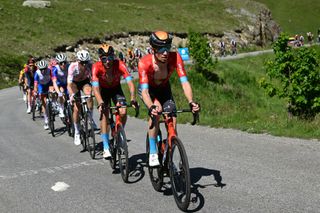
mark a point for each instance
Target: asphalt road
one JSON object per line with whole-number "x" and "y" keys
{"x": 231, "y": 171}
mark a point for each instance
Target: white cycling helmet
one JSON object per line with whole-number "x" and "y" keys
{"x": 83, "y": 55}
{"x": 61, "y": 57}
{"x": 42, "y": 64}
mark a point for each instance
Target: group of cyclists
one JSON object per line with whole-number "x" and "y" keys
{"x": 102, "y": 80}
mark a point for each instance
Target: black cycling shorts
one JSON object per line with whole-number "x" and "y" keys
{"x": 163, "y": 94}
{"x": 115, "y": 94}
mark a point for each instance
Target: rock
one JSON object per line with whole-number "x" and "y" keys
{"x": 37, "y": 3}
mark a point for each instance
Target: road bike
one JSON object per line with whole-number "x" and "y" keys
{"x": 68, "y": 119}
{"x": 36, "y": 105}
{"x": 87, "y": 127}
{"x": 173, "y": 161}
{"x": 118, "y": 143}
{"x": 52, "y": 110}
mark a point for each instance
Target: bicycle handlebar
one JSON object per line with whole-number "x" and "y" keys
{"x": 195, "y": 116}
{"x": 104, "y": 108}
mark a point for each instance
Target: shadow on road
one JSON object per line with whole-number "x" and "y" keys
{"x": 197, "y": 199}
{"x": 136, "y": 162}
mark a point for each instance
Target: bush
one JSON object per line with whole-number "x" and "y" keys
{"x": 298, "y": 71}
{"x": 201, "y": 55}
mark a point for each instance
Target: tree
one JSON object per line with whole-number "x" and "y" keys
{"x": 297, "y": 70}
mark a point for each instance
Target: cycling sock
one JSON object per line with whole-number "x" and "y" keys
{"x": 45, "y": 118}
{"x": 105, "y": 140}
{"x": 76, "y": 128}
{"x": 152, "y": 145}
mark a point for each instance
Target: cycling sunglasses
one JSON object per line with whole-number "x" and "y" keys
{"x": 62, "y": 63}
{"x": 104, "y": 59}
{"x": 163, "y": 49}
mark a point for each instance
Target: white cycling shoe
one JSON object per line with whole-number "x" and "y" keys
{"x": 29, "y": 110}
{"x": 61, "y": 114}
{"x": 153, "y": 160}
{"x": 106, "y": 153}
{"x": 46, "y": 126}
{"x": 77, "y": 140}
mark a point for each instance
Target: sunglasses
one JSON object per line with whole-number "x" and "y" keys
{"x": 104, "y": 59}
{"x": 163, "y": 49}
{"x": 43, "y": 69}
{"x": 62, "y": 63}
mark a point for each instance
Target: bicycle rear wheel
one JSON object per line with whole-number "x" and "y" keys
{"x": 90, "y": 136}
{"x": 50, "y": 115}
{"x": 179, "y": 174}
{"x": 155, "y": 173}
{"x": 122, "y": 151}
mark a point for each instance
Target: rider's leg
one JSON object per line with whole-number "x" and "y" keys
{"x": 105, "y": 134}
{"x": 154, "y": 131}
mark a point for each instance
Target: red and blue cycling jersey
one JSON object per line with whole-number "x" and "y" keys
{"x": 100, "y": 78}
{"x": 147, "y": 71}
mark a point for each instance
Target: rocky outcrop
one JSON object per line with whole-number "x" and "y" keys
{"x": 255, "y": 30}
{"x": 37, "y": 3}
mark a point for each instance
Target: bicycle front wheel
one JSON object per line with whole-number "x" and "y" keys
{"x": 69, "y": 120}
{"x": 50, "y": 115}
{"x": 122, "y": 151}
{"x": 33, "y": 108}
{"x": 90, "y": 136}
{"x": 179, "y": 174}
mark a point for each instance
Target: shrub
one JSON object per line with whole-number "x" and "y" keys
{"x": 201, "y": 55}
{"x": 297, "y": 70}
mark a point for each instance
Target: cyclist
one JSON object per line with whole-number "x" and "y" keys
{"x": 59, "y": 79}
{"x": 22, "y": 83}
{"x": 106, "y": 76}
{"x": 233, "y": 47}
{"x": 222, "y": 48}
{"x": 29, "y": 72}
{"x": 79, "y": 74}
{"x": 131, "y": 58}
{"x": 42, "y": 82}
{"x": 154, "y": 88}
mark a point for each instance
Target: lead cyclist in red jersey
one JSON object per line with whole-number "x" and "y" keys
{"x": 154, "y": 74}
{"x": 106, "y": 76}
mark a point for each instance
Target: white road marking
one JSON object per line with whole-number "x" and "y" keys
{"x": 60, "y": 187}
{"x": 51, "y": 170}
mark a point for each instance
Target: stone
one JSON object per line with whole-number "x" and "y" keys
{"x": 36, "y": 3}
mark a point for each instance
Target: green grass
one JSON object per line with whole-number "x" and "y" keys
{"x": 295, "y": 16}
{"x": 239, "y": 102}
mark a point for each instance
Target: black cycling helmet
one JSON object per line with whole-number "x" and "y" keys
{"x": 105, "y": 50}
{"x": 160, "y": 39}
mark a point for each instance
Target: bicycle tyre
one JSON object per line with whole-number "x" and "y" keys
{"x": 69, "y": 120}
{"x": 122, "y": 152}
{"x": 50, "y": 115}
{"x": 83, "y": 130}
{"x": 155, "y": 173}
{"x": 33, "y": 107}
{"x": 90, "y": 137}
{"x": 113, "y": 151}
{"x": 179, "y": 174}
